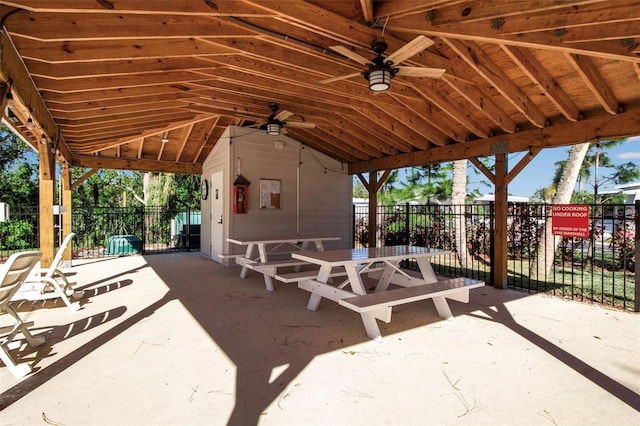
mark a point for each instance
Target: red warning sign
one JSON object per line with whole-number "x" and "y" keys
{"x": 570, "y": 220}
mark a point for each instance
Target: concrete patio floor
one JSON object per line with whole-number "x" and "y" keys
{"x": 177, "y": 339}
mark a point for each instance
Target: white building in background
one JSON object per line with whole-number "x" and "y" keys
{"x": 631, "y": 192}
{"x": 490, "y": 198}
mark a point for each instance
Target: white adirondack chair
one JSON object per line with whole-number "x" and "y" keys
{"x": 12, "y": 275}
{"x": 51, "y": 283}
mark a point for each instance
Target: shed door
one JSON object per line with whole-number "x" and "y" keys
{"x": 217, "y": 227}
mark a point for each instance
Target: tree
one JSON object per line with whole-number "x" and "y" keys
{"x": 359, "y": 191}
{"x": 430, "y": 182}
{"x": 458, "y": 197}
{"x": 18, "y": 172}
{"x": 596, "y": 158}
{"x": 548, "y": 243}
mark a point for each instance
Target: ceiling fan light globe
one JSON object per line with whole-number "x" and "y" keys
{"x": 379, "y": 80}
{"x": 273, "y": 129}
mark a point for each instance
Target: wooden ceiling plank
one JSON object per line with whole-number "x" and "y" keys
{"x": 122, "y": 109}
{"x": 490, "y": 9}
{"x": 94, "y": 161}
{"x": 97, "y": 51}
{"x": 88, "y": 108}
{"x": 488, "y": 32}
{"x": 379, "y": 138}
{"x": 327, "y": 144}
{"x": 50, "y": 27}
{"x": 432, "y": 117}
{"x": 116, "y": 67}
{"x": 592, "y": 78}
{"x": 413, "y": 121}
{"x": 483, "y": 64}
{"x": 380, "y": 118}
{"x": 583, "y": 16}
{"x": 602, "y": 31}
{"x": 435, "y": 96}
{"x": 208, "y": 135}
{"x": 177, "y": 7}
{"x": 538, "y": 74}
{"x": 183, "y": 140}
{"x": 151, "y": 132}
{"x": 398, "y": 8}
{"x": 106, "y": 83}
{"x": 111, "y": 122}
{"x": 483, "y": 104}
{"x": 128, "y": 94}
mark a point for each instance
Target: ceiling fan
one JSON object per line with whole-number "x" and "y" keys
{"x": 381, "y": 70}
{"x": 277, "y": 122}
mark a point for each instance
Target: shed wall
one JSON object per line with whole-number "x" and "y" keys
{"x": 315, "y": 197}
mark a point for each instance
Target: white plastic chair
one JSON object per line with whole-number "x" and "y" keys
{"x": 51, "y": 283}
{"x": 12, "y": 275}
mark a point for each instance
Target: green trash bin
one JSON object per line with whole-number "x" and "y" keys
{"x": 119, "y": 245}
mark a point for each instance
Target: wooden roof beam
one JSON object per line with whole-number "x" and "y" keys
{"x": 539, "y": 75}
{"x": 98, "y": 162}
{"x": 483, "y": 10}
{"x": 593, "y": 128}
{"x": 592, "y": 78}
{"x": 436, "y": 96}
{"x": 481, "y": 62}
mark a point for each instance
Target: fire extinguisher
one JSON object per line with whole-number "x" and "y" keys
{"x": 240, "y": 204}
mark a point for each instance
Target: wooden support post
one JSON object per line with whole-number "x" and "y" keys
{"x": 374, "y": 184}
{"x": 47, "y": 180}
{"x": 373, "y": 209}
{"x": 66, "y": 216}
{"x": 501, "y": 180}
{"x": 500, "y": 249}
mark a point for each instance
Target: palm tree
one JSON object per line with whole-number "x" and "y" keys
{"x": 581, "y": 159}
{"x": 547, "y": 244}
{"x": 458, "y": 198}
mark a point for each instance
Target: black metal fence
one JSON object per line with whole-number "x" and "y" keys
{"x": 600, "y": 268}
{"x": 20, "y": 232}
{"x": 108, "y": 231}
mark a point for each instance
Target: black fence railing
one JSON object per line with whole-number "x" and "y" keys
{"x": 600, "y": 268}
{"x": 20, "y": 232}
{"x": 108, "y": 231}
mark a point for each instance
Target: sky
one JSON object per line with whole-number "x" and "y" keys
{"x": 539, "y": 172}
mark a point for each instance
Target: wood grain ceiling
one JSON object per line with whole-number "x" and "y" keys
{"x": 107, "y": 80}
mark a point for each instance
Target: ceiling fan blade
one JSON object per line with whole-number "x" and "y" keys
{"x": 421, "y": 72}
{"x": 340, "y": 77}
{"x": 301, "y": 124}
{"x": 283, "y": 115}
{"x": 414, "y": 47}
{"x": 351, "y": 55}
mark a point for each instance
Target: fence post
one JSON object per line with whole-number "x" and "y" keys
{"x": 188, "y": 228}
{"x": 491, "y": 241}
{"x": 144, "y": 230}
{"x": 353, "y": 227}
{"x": 407, "y": 231}
{"x": 637, "y": 267}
